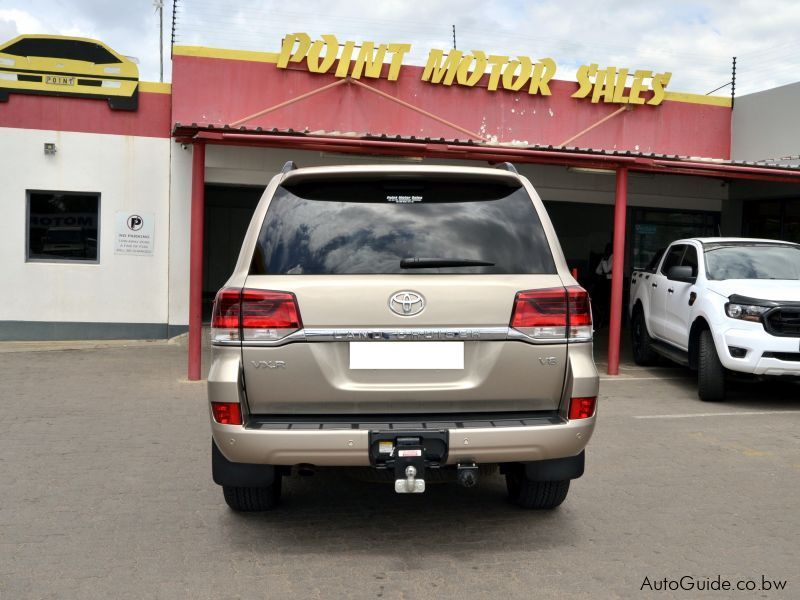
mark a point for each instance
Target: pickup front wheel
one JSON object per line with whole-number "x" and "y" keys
{"x": 641, "y": 341}
{"x": 710, "y": 372}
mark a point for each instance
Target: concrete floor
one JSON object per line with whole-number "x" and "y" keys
{"x": 106, "y": 493}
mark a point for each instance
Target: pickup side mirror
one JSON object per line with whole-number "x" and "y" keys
{"x": 682, "y": 273}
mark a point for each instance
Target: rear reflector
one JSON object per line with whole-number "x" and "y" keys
{"x": 582, "y": 408}
{"x": 553, "y": 313}
{"x": 227, "y": 413}
{"x": 254, "y": 315}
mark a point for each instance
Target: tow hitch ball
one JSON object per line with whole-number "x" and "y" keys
{"x": 410, "y": 485}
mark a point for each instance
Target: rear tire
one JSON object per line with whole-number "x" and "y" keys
{"x": 641, "y": 341}
{"x": 253, "y": 499}
{"x": 535, "y": 494}
{"x": 710, "y": 372}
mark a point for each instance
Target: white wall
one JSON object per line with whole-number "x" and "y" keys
{"x": 766, "y": 126}
{"x": 129, "y": 173}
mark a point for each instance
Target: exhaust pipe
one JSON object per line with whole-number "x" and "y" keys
{"x": 467, "y": 475}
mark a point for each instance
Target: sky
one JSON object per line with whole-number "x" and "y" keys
{"x": 695, "y": 41}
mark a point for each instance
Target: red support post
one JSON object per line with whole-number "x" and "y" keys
{"x": 196, "y": 260}
{"x": 617, "y": 275}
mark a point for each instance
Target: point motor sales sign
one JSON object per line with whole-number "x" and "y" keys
{"x": 519, "y": 73}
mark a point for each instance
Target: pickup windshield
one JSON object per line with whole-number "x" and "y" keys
{"x": 391, "y": 226}
{"x": 752, "y": 261}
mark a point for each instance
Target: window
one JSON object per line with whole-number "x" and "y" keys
{"x": 62, "y": 226}
{"x": 654, "y": 229}
{"x": 690, "y": 259}
{"x": 325, "y": 227}
{"x": 66, "y": 49}
{"x": 673, "y": 258}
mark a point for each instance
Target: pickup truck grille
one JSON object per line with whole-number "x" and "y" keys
{"x": 783, "y": 322}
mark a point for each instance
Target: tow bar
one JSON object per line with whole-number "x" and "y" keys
{"x": 408, "y": 454}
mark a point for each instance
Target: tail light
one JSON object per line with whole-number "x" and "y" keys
{"x": 254, "y": 315}
{"x": 227, "y": 413}
{"x": 582, "y": 408}
{"x": 553, "y": 314}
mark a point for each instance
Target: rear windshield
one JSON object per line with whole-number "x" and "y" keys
{"x": 371, "y": 226}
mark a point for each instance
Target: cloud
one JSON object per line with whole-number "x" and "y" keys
{"x": 695, "y": 40}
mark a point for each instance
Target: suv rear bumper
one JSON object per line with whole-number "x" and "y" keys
{"x": 494, "y": 442}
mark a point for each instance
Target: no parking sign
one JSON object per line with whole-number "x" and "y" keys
{"x": 134, "y": 233}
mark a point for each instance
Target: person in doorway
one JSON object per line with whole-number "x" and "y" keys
{"x": 601, "y": 295}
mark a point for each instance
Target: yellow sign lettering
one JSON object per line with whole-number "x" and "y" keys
{"x": 397, "y": 51}
{"x": 369, "y": 60}
{"x": 638, "y": 86}
{"x": 288, "y": 52}
{"x": 331, "y": 45}
{"x": 497, "y": 63}
{"x": 343, "y": 68}
{"x": 435, "y": 71}
{"x": 543, "y": 72}
{"x": 470, "y": 77}
{"x": 609, "y": 85}
{"x": 524, "y": 65}
{"x": 660, "y": 82}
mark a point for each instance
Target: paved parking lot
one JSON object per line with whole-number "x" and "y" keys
{"x": 106, "y": 493}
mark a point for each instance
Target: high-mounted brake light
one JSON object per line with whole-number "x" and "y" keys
{"x": 582, "y": 408}
{"x": 227, "y": 413}
{"x": 553, "y": 313}
{"x": 254, "y": 315}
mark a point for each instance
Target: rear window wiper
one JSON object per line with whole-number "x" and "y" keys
{"x": 429, "y": 263}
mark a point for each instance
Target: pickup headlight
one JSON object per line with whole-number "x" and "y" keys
{"x": 745, "y": 312}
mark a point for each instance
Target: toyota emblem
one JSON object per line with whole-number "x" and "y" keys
{"x": 406, "y": 303}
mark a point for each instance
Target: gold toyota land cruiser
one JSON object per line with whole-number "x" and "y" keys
{"x": 418, "y": 320}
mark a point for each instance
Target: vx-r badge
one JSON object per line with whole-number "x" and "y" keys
{"x": 406, "y": 303}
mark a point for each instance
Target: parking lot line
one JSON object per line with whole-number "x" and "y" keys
{"x": 719, "y": 414}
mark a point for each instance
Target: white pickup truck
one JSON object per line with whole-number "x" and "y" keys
{"x": 718, "y": 305}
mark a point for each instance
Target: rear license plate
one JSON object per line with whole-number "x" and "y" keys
{"x": 59, "y": 80}
{"x": 406, "y": 355}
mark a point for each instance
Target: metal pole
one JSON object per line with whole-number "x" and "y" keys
{"x": 617, "y": 276}
{"x": 196, "y": 260}
{"x": 161, "y": 43}
{"x": 174, "y": 23}
{"x": 454, "y": 38}
{"x": 733, "y": 82}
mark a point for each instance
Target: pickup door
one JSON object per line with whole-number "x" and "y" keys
{"x": 677, "y": 307}
{"x": 659, "y": 284}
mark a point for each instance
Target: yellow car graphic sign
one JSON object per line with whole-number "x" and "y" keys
{"x": 68, "y": 66}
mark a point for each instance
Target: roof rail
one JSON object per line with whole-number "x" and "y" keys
{"x": 288, "y": 166}
{"x": 507, "y": 166}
